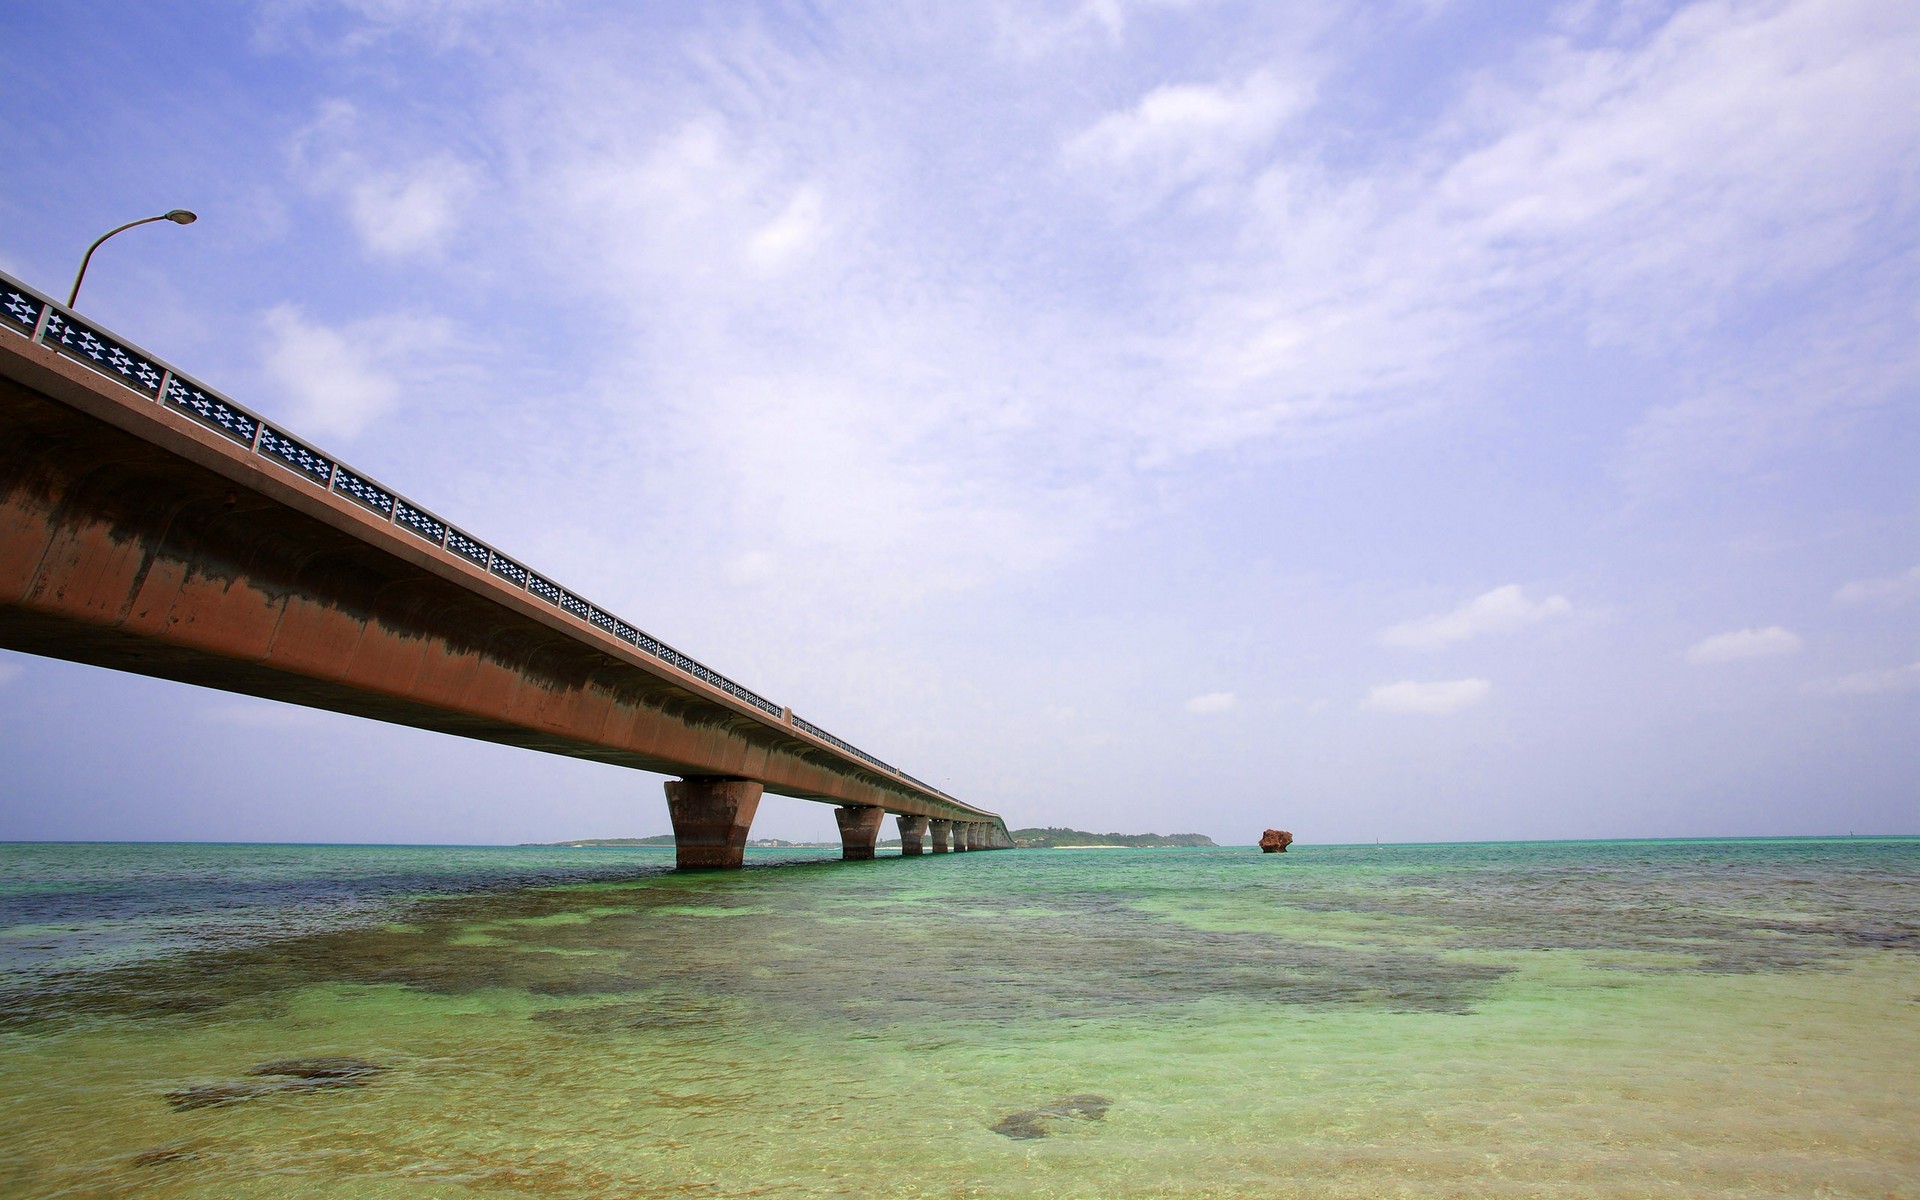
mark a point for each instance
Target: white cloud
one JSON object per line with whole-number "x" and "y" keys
{"x": 10, "y": 672}
{"x": 341, "y": 380}
{"x": 787, "y": 236}
{"x": 1321, "y": 298}
{"x": 1028, "y": 29}
{"x": 1872, "y": 683}
{"x": 1627, "y": 192}
{"x": 1886, "y": 592}
{"x": 1437, "y": 698}
{"x": 401, "y": 200}
{"x": 1184, "y": 132}
{"x": 1213, "y": 702}
{"x": 412, "y": 211}
{"x": 1498, "y": 611}
{"x": 1739, "y": 644}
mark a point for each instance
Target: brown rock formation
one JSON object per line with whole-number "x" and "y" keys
{"x": 1275, "y": 841}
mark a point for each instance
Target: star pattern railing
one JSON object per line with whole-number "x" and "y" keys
{"x": 27, "y": 312}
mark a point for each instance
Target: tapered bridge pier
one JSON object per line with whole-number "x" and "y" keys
{"x": 150, "y": 524}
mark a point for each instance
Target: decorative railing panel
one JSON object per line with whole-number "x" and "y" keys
{"x": 31, "y": 314}
{"x": 211, "y": 410}
{"x": 22, "y": 310}
{"x": 467, "y": 548}
{"x": 509, "y": 570}
{"x": 279, "y": 446}
{"x": 856, "y": 751}
{"x": 367, "y": 492}
{"x": 83, "y": 343}
{"x": 414, "y": 520}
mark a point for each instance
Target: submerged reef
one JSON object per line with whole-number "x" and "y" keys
{"x": 278, "y": 1077}
{"x": 1038, "y": 1122}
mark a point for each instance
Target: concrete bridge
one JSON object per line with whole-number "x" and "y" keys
{"x": 150, "y": 524}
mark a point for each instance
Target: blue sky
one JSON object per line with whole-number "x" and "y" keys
{"x": 1426, "y": 420}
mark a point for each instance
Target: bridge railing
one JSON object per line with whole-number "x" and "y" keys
{"x": 29, "y": 313}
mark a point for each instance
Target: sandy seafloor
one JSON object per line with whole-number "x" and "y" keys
{"x": 1626, "y": 1019}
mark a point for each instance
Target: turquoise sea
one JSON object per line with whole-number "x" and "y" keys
{"x": 1622, "y": 1019}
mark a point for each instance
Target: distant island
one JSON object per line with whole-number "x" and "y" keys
{"x": 1052, "y": 838}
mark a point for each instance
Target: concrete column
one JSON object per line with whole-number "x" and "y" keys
{"x": 938, "y": 832}
{"x": 859, "y": 830}
{"x": 960, "y": 841}
{"x": 913, "y": 831}
{"x": 711, "y": 815}
{"x": 974, "y": 840}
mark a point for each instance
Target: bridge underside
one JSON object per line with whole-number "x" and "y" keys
{"x": 133, "y": 539}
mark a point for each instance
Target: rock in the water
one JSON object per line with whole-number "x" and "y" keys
{"x": 160, "y": 1156}
{"x": 285, "y": 1075}
{"x": 1021, "y": 1125}
{"x": 215, "y": 1095}
{"x": 1275, "y": 841}
{"x": 322, "y": 1072}
{"x": 1037, "y": 1122}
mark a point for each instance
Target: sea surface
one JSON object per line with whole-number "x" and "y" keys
{"x": 1620, "y": 1019}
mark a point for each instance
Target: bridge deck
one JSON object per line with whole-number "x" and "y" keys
{"x": 151, "y": 525}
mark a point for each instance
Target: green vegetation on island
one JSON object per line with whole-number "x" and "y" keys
{"x": 1051, "y": 837}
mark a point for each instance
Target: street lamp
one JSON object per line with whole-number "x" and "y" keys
{"x": 178, "y": 216}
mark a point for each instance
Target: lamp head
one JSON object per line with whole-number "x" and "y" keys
{"x": 181, "y": 216}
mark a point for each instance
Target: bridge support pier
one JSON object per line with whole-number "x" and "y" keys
{"x": 974, "y": 841}
{"x": 913, "y": 831}
{"x": 938, "y": 831}
{"x": 711, "y": 815}
{"x": 859, "y": 830}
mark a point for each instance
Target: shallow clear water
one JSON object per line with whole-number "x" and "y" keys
{"x": 1591, "y": 1019}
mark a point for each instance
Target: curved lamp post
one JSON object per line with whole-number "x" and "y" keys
{"x": 178, "y": 216}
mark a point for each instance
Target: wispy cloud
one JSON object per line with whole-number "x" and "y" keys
{"x": 1180, "y": 134}
{"x": 1885, "y": 592}
{"x": 1499, "y": 611}
{"x": 402, "y": 197}
{"x": 340, "y": 380}
{"x": 411, "y": 211}
{"x": 1872, "y": 683}
{"x": 1770, "y": 642}
{"x": 1213, "y": 702}
{"x": 1435, "y": 699}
